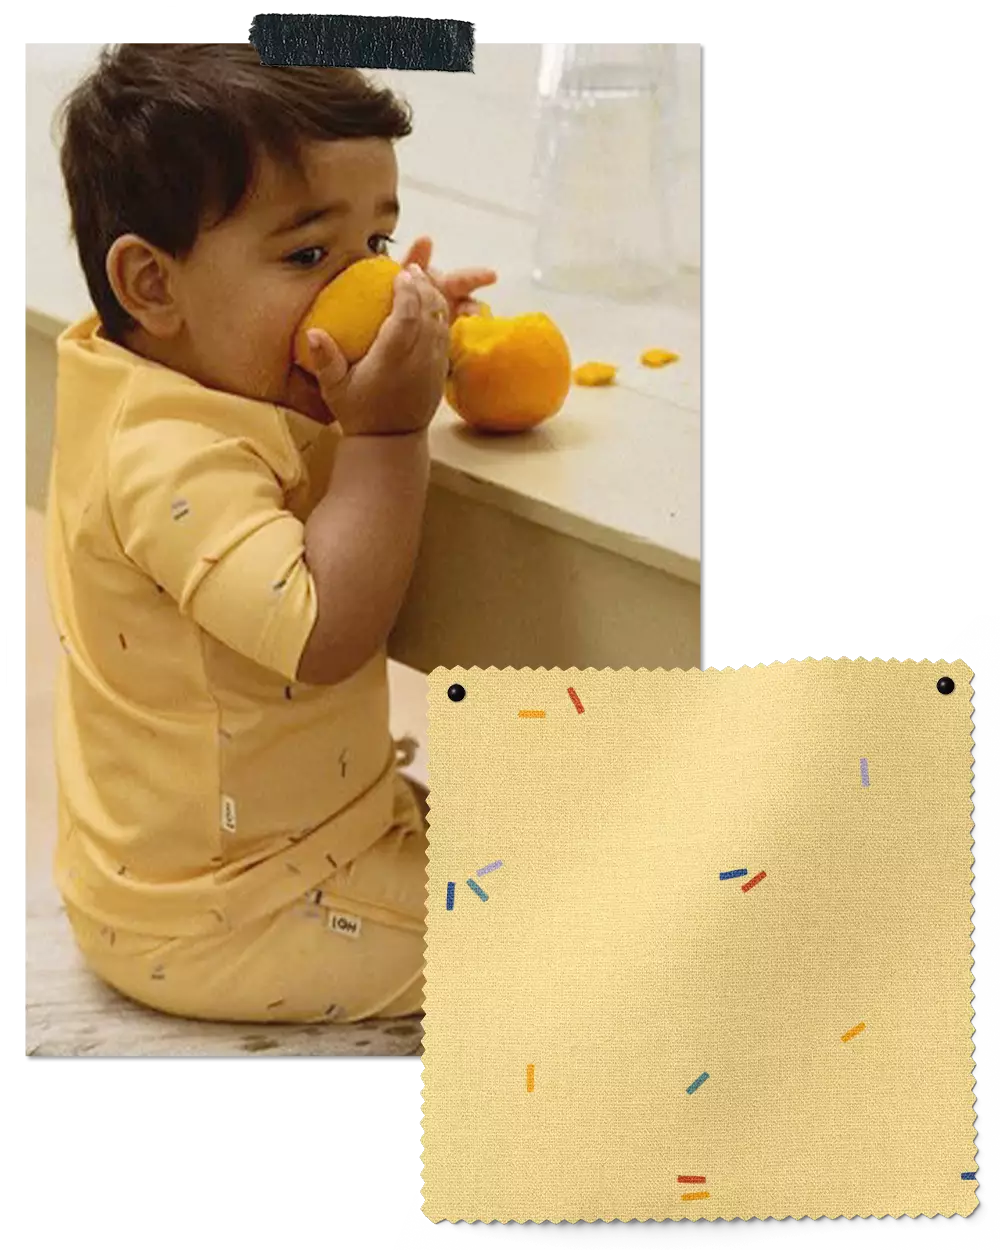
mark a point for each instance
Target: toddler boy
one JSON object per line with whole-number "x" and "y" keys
{"x": 229, "y": 540}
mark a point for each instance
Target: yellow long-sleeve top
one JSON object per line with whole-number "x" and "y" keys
{"x": 200, "y": 785}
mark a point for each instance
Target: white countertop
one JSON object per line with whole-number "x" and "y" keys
{"x": 619, "y": 466}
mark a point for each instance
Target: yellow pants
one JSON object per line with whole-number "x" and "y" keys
{"x": 351, "y": 949}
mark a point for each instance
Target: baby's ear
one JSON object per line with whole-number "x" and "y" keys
{"x": 140, "y": 277}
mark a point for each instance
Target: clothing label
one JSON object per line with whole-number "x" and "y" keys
{"x": 228, "y": 814}
{"x": 348, "y": 926}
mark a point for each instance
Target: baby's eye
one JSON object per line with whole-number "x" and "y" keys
{"x": 307, "y": 257}
{"x": 379, "y": 243}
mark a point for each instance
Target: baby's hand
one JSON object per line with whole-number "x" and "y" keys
{"x": 456, "y": 286}
{"x": 396, "y": 387}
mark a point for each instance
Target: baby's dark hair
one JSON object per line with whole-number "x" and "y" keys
{"x": 163, "y": 139}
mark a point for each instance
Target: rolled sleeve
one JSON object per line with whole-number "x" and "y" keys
{"x": 201, "y": 509}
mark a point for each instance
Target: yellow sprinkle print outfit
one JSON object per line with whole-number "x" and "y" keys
{"x": 233, "y": 844}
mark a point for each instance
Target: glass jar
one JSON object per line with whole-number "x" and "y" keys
{"x": 602, "y": 169}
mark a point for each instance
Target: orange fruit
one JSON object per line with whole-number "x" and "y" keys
{"x": 350, "y": 309}
{"x": 507, "y": 373}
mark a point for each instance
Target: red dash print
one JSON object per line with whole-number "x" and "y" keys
{"x": 575, "y": 697}
{"x": 753, "y": 881}
{"x": 121, "y": 639}
{"x": 691, "y": 1180}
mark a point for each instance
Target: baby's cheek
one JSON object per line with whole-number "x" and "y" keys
{"x": 261, "y": 350}
{"x": 246, "y": 331}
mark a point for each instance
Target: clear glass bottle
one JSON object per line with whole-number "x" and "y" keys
{"x": 602, "y": 169}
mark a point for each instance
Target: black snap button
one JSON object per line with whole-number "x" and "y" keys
{"x": 456, "y": 693}
{"x": 945, "y": 685}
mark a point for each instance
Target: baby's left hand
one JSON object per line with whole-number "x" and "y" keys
{"x": 456, "y": 287}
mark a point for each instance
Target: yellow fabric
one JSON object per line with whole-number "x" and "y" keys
{"x": 610, "y": 967}
{"x": 350, "y": 949}
{"x": 201, "y": 787}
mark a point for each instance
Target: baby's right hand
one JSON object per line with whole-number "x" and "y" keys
{"x": 396, "y": 387}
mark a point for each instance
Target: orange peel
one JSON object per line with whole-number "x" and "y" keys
{"x": 657, "y": 357}
{"x": 594, "y": 373}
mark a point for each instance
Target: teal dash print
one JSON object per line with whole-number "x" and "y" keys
{"x": 477, "y": 889}
{"x": 697, "y": 1084}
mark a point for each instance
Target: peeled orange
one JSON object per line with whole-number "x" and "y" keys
{"x": 507, "y": 373}
{"x": 350, "y": 309}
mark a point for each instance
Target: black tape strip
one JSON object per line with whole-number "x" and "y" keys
{"x": 363, "y": 42}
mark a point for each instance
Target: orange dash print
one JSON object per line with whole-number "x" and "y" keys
{"x": 702, "y": 1193}
{"x": 527, "y": 712}
{"x": 753, "y": 881}
{"x": 853, "y": 1032}
{"x": 531, "y": 1078}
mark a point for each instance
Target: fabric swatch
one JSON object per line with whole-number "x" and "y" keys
{"x": 699, "y": 944}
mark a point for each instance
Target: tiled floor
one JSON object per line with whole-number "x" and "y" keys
{"x": 69, "y": 1012}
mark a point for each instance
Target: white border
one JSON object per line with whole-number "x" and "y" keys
{"x": 124, "y": 1156}
{"x": 979, "y": 611}
{"x": 686, "y": 16}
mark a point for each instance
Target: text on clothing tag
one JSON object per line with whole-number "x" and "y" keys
{"x": 228, "y": 814}
{"x": 348, "y": 926}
